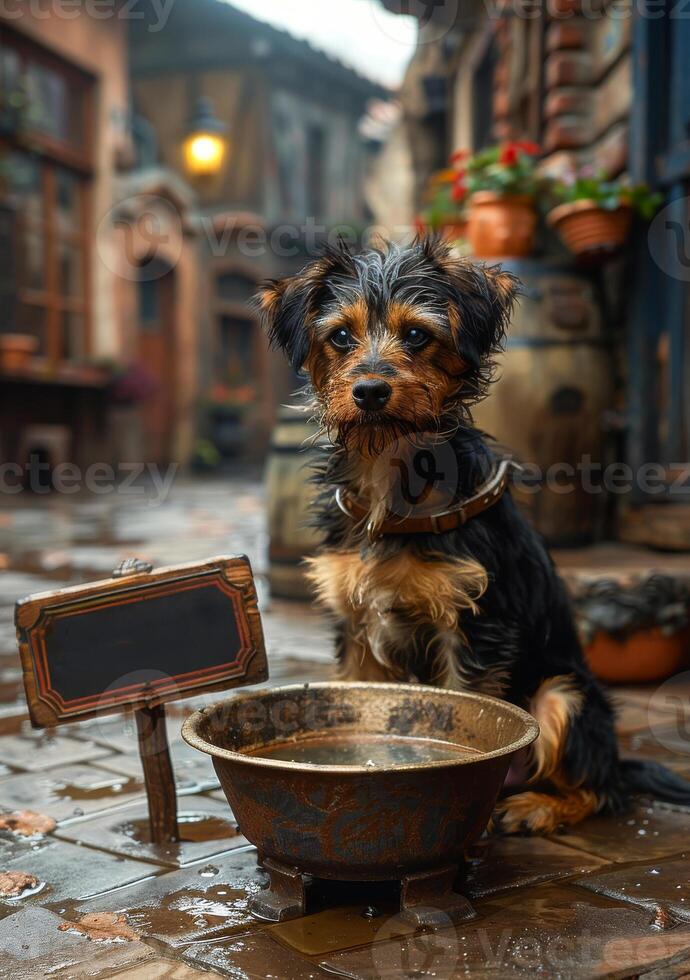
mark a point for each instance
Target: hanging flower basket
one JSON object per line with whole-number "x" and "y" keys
{"x": 594, "y": 216}
{"x": 590, "y": 231}
{"x": 501, "y": 225}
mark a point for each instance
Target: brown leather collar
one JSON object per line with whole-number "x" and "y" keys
{"x": 488, "y": 494}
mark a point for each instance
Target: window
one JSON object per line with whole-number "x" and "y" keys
{"x": 482, "y": 99}
{"x": 316, "y": 171}
{"x": 236, "y": 328}
{"x": 235, "y": 287}
{"x": 44, "y": 186}
{"x": 236, "y": 353}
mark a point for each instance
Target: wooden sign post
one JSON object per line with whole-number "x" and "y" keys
{"x": 139, "y": 640}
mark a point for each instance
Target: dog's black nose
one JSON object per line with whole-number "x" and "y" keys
{"x": 371, "y": 394}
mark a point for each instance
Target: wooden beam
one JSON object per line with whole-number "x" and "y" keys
{"x": 158, "y": 773}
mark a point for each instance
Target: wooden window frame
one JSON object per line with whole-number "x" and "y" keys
{"x": 53, "y": 154}
{"x": 235, "y": 309}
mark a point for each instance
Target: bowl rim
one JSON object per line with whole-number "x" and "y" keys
{"x": 191, "y": 724}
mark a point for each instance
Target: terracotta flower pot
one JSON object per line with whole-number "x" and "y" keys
{"x": 16, "y": 350}
{"x": 646, "y": 655}
{"x": 455, "y": 230}
{"x": 589, "y": 231}
{"x": 501, "y": 225}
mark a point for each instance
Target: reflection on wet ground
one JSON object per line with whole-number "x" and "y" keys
{"x": 604, "y": 899}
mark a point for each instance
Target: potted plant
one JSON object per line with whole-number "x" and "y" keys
{"x": 502, "y": 184}
{"x": 17, "y": 350}
{"x": 594, "y": 215}
{"x": 635, "y": 632}
{"x": 446, "y": 198}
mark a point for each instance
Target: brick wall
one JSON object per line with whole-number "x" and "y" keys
{"x": 586, "y": 88}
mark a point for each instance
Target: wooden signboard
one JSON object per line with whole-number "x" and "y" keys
{"x": 138, "y": 640}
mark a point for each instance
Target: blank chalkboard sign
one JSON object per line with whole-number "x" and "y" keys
{"x": 137, "y": 640}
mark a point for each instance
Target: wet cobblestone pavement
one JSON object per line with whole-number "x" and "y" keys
{"x": 89, "y": 898}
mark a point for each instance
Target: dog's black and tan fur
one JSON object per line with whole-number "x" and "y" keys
{"x": 480, "y": 607}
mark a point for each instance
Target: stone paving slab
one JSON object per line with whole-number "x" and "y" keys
{"x": 661, "y": 884}
{"x": 67, "y": 872}
{"x": 255, "y": 955}
{"x": 546, "y": 931}
{"x": 650, "y": 830}
{"x": 46, "y": 750}
{"x": 33, "y": 946}
{"x": 635, "y": 716}
{"x": 207, "y": 827}
{"x": 660, "y": 744}
{"x": 163, "y": 970}
{"x": 68, "y": 792}
{"x": 676, "y": 969}
{"x": 199, "y": 902}
{"x": 342, "y": 927}
{"x": 186, "y": 780}
{"x": 191, "y": 767}
{"x": 499, "y": 864}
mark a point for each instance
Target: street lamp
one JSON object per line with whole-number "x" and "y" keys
{"x": 205, "y": 145}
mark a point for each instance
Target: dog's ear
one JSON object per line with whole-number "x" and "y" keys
{"x": 289, "y": 306}
{"x": 480, "y": 302}
{"x": 284, "y": 307}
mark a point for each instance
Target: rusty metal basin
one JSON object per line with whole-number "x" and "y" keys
{"x": 361, "y": 822}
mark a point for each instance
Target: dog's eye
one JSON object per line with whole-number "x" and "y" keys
{"x": 342, "y": 339}
{"x": 416, "y": 338}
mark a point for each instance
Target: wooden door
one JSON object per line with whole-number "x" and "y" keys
{"x": 659, "y": 339}
{"x": 156, "y": 355}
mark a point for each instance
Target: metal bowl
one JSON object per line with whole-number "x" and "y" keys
{"x": 356, "y": 822}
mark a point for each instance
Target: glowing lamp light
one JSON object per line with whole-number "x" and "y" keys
{"x": 205, "y": 145}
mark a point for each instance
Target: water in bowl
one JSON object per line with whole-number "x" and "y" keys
{"x": 373, "y": 751}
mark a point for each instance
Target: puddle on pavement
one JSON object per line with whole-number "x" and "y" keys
{"x": 98, "y": 790}
{"x": 189, "y": 913}
{"x": 194, "y": 828}
{"x": 27, "y": 892}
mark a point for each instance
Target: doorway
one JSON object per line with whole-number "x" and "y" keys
{"x": 156, "y": 311}
{"x": 659, "y": 336}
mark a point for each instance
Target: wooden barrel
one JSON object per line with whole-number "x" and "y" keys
{"x": 555, "y": 382}
{"x": 289, "y": 498}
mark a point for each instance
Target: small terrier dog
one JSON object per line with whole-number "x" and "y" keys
{"x": 431, "y": 572}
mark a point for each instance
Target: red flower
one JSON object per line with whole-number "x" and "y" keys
{"x": 459, "y": 156}
{"x": 509, "y": 155}
{"x": 531, "y": 149}
{"x": 458, "y": 192}
{"x": 419, "y": 225}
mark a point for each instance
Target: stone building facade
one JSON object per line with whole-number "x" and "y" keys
{"x": 604, "y": 86}
{"x": 294, "y": 170}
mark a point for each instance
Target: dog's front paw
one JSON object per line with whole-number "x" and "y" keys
{"x": 524, "y": 813}
{"x": 542, "y": 813}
